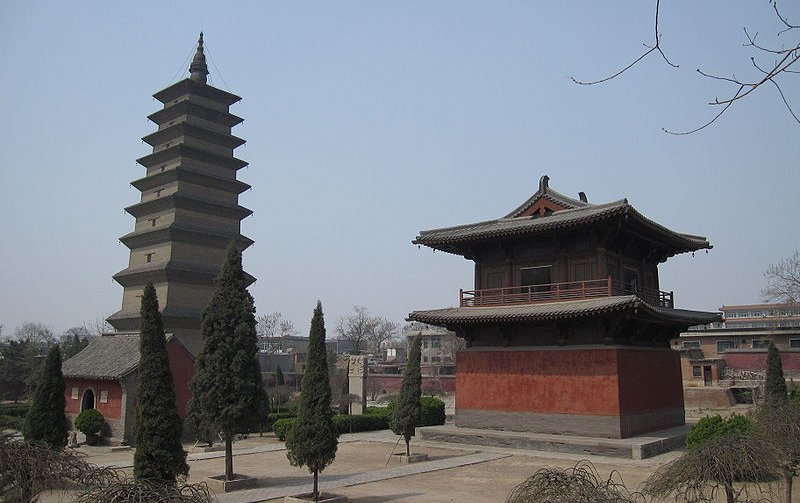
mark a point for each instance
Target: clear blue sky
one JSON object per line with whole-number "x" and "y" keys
{"x": 369, "y": 121}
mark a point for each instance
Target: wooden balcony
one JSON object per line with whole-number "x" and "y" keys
{"x": 561, "y": 292}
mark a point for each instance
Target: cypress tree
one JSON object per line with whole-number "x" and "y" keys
{"x": 407, "y": 411}
{"x": 313, "y": 439}
{"x": 279, "y": 379}
{"x": 775, "y": 389}
{"x": 226, "y": 387}
{"x": 46, "y": 421}
{"x": 159, "y": 454}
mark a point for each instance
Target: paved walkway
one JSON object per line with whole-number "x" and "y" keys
{"x": 332, "y": 482}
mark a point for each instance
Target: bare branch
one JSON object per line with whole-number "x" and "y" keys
{"x": 655, "y": 47}
{"x": 683, "y": 133}
{"x": 783, "y": 19}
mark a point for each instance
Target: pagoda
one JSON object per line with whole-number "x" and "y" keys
{"x": 189, "y": 211}
{"x": 566, "y": 328}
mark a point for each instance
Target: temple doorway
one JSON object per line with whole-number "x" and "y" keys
{"x": 88, "y": 400}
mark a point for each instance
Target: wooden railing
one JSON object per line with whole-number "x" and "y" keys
{"x": 560, "y": 292}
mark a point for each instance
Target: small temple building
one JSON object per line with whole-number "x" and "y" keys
{"x": 566, "y": 328}
{"x": 187, "y": 215}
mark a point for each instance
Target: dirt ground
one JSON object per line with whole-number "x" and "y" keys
{"x": 488, "y": 481}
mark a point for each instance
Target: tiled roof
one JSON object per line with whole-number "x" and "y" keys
{"x": 521, "y": 313}
{"x": 106, "y": 357}
{"x": 578, "y": 213}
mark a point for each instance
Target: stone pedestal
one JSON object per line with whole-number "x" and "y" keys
{"x": 219, "y": 485}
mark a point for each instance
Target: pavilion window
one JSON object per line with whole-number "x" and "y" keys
{"x": 583, "y": 272}
{"x": 726, "y": 344}
{"x": 760, "y": 343}
{"x": 537, "y": 279}
{"x": 697, "y": 371}
{"x": 794, "y": 343}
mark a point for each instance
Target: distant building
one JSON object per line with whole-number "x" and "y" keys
{"x": 734, "y": 350}
{"x": 438, "y": 349}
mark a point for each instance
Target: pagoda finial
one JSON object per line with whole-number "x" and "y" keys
{"x": 198, "y": 69}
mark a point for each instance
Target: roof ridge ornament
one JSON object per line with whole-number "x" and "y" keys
{"x": 198, "y": 70}
{"x": 543, "y": 184}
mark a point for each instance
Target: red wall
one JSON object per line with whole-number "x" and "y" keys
{"x": 579, "y": 381}
{"x": 182, "y": 367}
{"x": 757, "y": 361}
{"x": 649, "y": 380}
{"x": 603, "y": 382}
{"x": 391, "y": 383}
{"x": 111, "y": 410}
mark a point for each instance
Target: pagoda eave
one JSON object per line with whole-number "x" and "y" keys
{"x": 184, "y": 174}
{"x": 181, "y": 150}
{"x": 187, "y": 86}
{"x": 185, "y": 129}
{"x": 190, "y": 235}
{"x": 190, "y": 108}
{"x": 182, "y": 202}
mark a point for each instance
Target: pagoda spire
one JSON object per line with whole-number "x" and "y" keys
{"x": 198, "y": 69}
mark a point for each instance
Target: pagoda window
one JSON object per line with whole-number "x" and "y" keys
{"x": 583, "y": 272}
{"x": 538, "y": 279}
{"x": 148, "y": 257}
{"x": 494, "y": 280}
{"x": 630, "y": 277}
{"x": 153, "y": 221}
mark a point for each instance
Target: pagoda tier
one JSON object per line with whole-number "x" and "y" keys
{"x": 189, "y": 211}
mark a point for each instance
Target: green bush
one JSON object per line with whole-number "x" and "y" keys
{"x": 713, "y": 426}
{"x": 15, "y": 409}
{"x": 359, "y": 422}
{"x": 432, "y": 411}
{"x": 11, "y": 422}
{"x": 275, "y": 416}
{"x": 281, "y": 427}
{"x": 378, "y": 411}
{"x": 90, "y": 422}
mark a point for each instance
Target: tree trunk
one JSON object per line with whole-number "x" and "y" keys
{"x": 316, "y": 488}
{"x": 787, "y": 484}
{"x": 408, "y": 448}
{"x": 729, "y": 492}
{"x": 228, "y": 455}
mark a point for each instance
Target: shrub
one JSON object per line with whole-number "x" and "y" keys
{"x": 90, "y": 422}
{"x": 714, "y": 426}
{"x": 281, "y": 427}
{"x": 275, "y": 416}
{"x": 14, "y": 409}
{"x": 379, "y": 411}
{"x": 12, "y": 422}
{"x": 359, "y": 422}
{"x": 432, "y": 411}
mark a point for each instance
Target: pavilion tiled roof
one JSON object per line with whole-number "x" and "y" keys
{"x": 106, "y": 357}
{"x": 577, "y": 214}
{"x": 554, "y": 311}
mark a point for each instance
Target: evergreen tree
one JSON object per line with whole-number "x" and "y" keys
{"x": 313, "y": 439}
{"x": 775, "y": 389}
{"x": 407, "y": 411}
{"x": 226, "y": 387}
{"x": 46, "y": 421}
{"x": 159, "y": 454}
{"x": 279, "y": 379}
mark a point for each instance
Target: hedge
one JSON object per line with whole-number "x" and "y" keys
{"x": 714, "y": 426}
{"x": 344, "y": 424}
{"x": 432, "y": 411}
{"x": 275, "y": 416}
{"x": 14, "y": 409}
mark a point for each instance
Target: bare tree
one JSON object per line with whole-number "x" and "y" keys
{"x": 98, "y": 327}
{"x": 356, "y": 328}
{"x": 779, "y": 424}
{"x": 738, "y": 464}
{"x": 383, "y": 330}
{"x": 772, "y": 63}
{"x": 273, "y": 325}
{"x": 35, "y": 332}
{"x": 783, "y": 280}
{"x": 579, "y": 484}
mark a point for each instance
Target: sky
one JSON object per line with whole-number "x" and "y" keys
{"x": 368, "y": 121}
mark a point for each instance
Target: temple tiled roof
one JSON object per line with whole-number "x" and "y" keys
{"x": 577, "y": 213}
{"x": 553, "y": 311}
{"x": 106, "y": 357}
